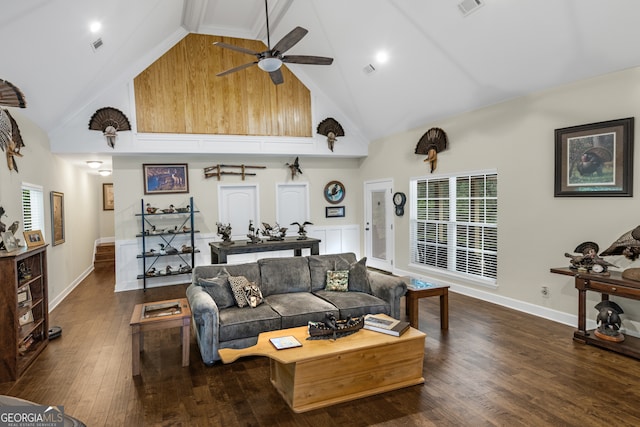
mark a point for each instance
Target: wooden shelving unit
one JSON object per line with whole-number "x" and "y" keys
{"x": 24, "y": 309}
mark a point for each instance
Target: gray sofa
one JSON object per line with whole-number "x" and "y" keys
{"x": 293, "y": 291}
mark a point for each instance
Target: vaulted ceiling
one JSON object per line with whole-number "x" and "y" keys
{"x": 440, "y": 62}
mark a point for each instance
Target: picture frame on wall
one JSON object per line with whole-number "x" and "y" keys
{"x": 595, "y": 160}
{"x": 107, "y": 196}
{"x": 334, "y": 192}
{"x": 334, "y": 211}
{"x": 33, "y": 238}
{"x": 26, "y": 318}
{"x": 165, "y": 178}
{"x": 57, "y": 218}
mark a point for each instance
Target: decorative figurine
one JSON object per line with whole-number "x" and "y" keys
{"x": 295, "y": 168}
{"x": 609, "y": 321}
{"x": 330, "y": 128}
{"x": 225, "y": 232}
{"x": 432, "y": 142}
{"x": 253, "y": 234}
{"x": 10, "y": 139}
{"x": 589, "y": 261}
{"x": 273, "y": 233}
{"x": 301, "y": 231}
{"x": 151, "y": 209}
{"x": 109, "y": 120}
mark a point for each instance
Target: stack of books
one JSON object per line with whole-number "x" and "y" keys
{"x": 385, "y": 324}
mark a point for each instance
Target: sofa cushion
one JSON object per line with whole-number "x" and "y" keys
{"x": 237, "y": 323}
{"x": 219, "y": 289}
{"x": 250, "y": 270}
{"x": 320, "y": 264}
{"x": 284, "y": 275}
{"x": 358, "y": 277}
{"x": 337, "y": 281}
{"x": 253, "y": 295}
{"x": 238, "y": 283}
{"x": 297, "y": 309}
{"x": 354, "y": 303}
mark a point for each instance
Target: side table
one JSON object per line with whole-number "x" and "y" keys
{"x": 417, "y": 289}
{"x": 157, "y": 315}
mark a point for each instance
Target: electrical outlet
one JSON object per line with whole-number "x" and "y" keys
{"x": 545, "y": 291}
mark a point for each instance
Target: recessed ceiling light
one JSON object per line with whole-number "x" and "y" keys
{"x": 104, "y": 172}
{"x": 382, "y": 57}
{"x": 94, "y": 164}
{"x": 95, "y": 26}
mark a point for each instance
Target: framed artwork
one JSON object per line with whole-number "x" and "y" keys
{"x": 334, "y": 211}
{"x": 24, "y": 296}
{"x": 107, "y": 196}
{"x": 33, "y": 238}
{"x": 9, "y": 240}
{"x": 26, "y": 318}
{"x": 165, "y": 178}
{"x": 334, "y": 192}
{"x": 57, "y": 218}
{"x": 594, "y": 159}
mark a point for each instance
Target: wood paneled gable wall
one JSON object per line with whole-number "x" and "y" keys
{"x": 180, "y": 93}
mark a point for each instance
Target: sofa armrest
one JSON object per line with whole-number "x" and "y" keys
{"x": 206, "y": 322}
{"x": 388, "y": 288}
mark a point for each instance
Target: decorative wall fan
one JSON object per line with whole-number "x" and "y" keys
{"x": 271, "y": 60}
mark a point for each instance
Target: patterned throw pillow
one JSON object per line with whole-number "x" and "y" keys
{"x": 337, "y": 281}
{"x": 238, "y": 283}
{"x": 253, "y": 295}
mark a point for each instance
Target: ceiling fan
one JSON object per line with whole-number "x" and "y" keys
{"x": 272, "y": 59}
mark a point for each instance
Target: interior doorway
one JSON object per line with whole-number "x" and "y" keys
{"x": 378, "y": 224}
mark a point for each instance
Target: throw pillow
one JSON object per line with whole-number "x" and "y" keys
{"x": 337, "y": 281}
{"x": 238, "y": 283}
{"x": 219, "y": 289}
{"x": 358, "y": 278}
{"x": 253, "y": 295}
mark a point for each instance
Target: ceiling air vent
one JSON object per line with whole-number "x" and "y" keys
{"x": 97, "y": 44}
{"x": 469, "y": 6}
{"x": 369, "y": 69}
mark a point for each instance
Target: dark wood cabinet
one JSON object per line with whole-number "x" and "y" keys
{"x": 24, "y": 312}
{"x": 613, "y": 284}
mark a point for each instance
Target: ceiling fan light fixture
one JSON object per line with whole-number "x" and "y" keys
{"x": 270, "y": 64}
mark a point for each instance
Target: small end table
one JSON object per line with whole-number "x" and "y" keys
{"x": 152, "y": 316}
{"x": 417, "y": 289}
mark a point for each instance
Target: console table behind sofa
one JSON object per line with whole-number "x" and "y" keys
{"x": 219, "y": 251}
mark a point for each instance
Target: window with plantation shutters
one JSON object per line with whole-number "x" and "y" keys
{"x": 32, "y": 208}
{"x": 454, "y": 224}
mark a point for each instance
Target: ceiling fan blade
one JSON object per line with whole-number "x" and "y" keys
{"x": 238, "y": 68}
{"x": 305, "y": 59}
{"x": 289, "y": 40}
{"x": 236, "y": 48}
{"x": 276, "y": 77}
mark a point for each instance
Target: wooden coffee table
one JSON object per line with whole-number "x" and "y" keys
{"x": 325, "y": 372}
{"x": 169, "y": 314}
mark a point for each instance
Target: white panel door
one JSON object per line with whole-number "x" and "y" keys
{"x": 237, "y": 205}
{"x": 292, "y": 205}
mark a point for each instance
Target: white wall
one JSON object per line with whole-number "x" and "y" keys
{"x": 129, "y": 190}
{"x": 70, "y": 261}
{"x": 535, "y": 228}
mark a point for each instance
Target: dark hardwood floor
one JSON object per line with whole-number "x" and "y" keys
{"x": 494, "y": 367}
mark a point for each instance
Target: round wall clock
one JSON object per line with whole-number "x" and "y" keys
{"x": 399, "y": 199}
{"x": 334, "y": 192}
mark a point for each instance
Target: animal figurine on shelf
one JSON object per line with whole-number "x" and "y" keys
{"x": 302, "y": 233}
{"x": 432, "y": 142}
{"x": 627, "y": 245}
{"x": 274, "y": 233}
{"x": 253, "y": 234}
{"x": 224, "y": 231}
{"x": 609, "y": 321}
{"x": 588, "y": 261}
{"x": 295, "y": 168}
{"x": 150, "y": 209}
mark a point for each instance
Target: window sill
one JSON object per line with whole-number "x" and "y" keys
{"x": 462, "y": 279}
